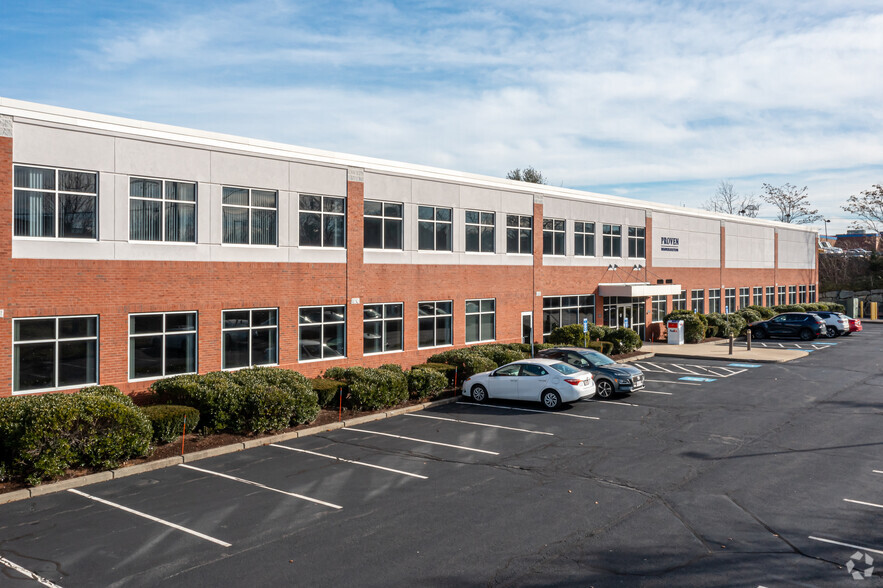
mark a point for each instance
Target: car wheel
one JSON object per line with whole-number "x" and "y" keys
{"x": 759, "y": 334}
{"x": 604, "y": 388}
{"x": 479, "y": 393}
{"x": 551, "y": 399}
{"x": 832, "y": 332}
{"x": 806, "y": 335}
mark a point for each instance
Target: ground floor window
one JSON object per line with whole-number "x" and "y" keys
{"x": 802, "y": 294}
{"x": 383, "y": 327}
{"x": 714, "y": 300}
{"x": 480, "y": 320}
{"x": 679, "y": 301}
{"x": 697, "y": 301}
{"x": 792, "y": 294}
{"x": 250, "y": 337}
{"x": 57, "y": 352}
{"x": 321, "y": 332}
{"x": 560, "y": 311}
{"x": 162, "y": 344}
{"x": 623, "y": 311}
{"x": 783, "y": 295}
{"x": 657, "y": 308}
{"x": 730, "y": 300}
{"x": 770, "y": 296}
{"x": 812, "y": 293}
{"x": 758, "y": 296}
{"x": 744, "y": 297}
{"x": 435, "y": 323}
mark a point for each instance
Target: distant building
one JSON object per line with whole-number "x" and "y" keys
{"x": 860, "y": 239}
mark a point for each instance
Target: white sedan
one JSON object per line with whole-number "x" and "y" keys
{"x": 549, "y": 381}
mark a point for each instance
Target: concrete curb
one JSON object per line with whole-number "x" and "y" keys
{"x": 150, "y": 466}
{"x": 641, "y": 357}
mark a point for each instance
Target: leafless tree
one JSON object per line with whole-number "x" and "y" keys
{"x": 792, "y": 203}
{"x": 868, "y": 206}
{"x": 728, "y": 201}
{"x": 528, "y": 174}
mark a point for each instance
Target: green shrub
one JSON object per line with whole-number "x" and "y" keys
{"x": 727, "y": 325}
{"x": 606, "y": 347}
{"x": 468, "y": 362}
{"x": 695, "y": 324}
{"x": 326, "y": 390}
{"x": 423, "y": 383}
{"x": 107, "y": 391}
{"x": 447, "y": 370}
{"x": 711, "y": 331}
{"x": 304, "y": 401}
{"x": 497, "y": 353}
{"x": 624, "y": 340}
{"x": 764, "y": 312}
{"x": 372, "y": 389}
{"x": 168, "y": 420}
{"x": 749, "y": 315}
{"x": 392, "y": 367}
{"x": 834, "y": 307}
{"x": 570, "y": 335}
{"x": 788, "y": 308}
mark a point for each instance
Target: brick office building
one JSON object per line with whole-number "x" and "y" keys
{"x": 134, "y": 251}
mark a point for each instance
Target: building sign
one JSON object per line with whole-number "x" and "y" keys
{"x": 669, "y": 243}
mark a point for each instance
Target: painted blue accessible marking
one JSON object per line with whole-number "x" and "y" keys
{"x": 823, "y": 343}
{"x": 744, "y": 365}
{"x": 695, "y": 379}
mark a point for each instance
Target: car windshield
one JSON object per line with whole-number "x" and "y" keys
{"x": 596, "y": 358}
{"x": 564, "y": 368}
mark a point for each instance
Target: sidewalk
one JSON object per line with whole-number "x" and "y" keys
{"x": 720, "y": 350}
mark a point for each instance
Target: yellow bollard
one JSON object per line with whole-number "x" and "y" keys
{"x": 873, "y": 311}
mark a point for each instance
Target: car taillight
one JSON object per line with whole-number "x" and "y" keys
{"x": 572, "y": 381}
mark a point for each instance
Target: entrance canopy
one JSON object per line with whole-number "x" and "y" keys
{"x": 638, "y": 289}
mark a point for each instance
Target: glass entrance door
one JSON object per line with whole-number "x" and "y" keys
{"x": 526, "y": 327}
{"x": 624, "y": 316}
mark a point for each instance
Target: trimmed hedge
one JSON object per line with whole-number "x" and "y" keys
{"x": 42, "y": 436}
{"x": 168, "y": 420}
{"x": 372, "y": 389}
{"x": 446, "y": 369}
{"x": 498, "y": 353}
{"x": 764, "y": 312}
{"x": 426, "y": 383}
{"x": 325, "y": 389}
{"x": 624, "y": 340}
{"x": 467, "y": 362}
{"x": 695, "y": 324}
{"x": 750, "y": 315}
{"x": 788, "y": 308}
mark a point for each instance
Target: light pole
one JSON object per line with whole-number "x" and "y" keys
{"x": 827, "y": 220}
{"x": 787, "y": 217}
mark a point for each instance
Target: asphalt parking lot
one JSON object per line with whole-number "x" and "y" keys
{"x": 719, "y": 473}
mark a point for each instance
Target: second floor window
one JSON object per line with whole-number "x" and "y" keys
{"x": 744, "y": 297}
{"x": 519, "y": 234}
{"x": 383, "y": 225}
{"x": 54, "y": 203}
{"x": 434, "y": 226}
{"x": 636, "y": 241}
{"x": 553, "y": 236}
{"x": 322, "y": 221}
{"x": 612, "y": 237}
{"x": 162, "y": 210}
{"x": 249, "y": 216}
{"x": 584, "y": 239}
{"x": 480, "y": 231}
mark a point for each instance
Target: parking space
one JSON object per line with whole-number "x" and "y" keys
{"x": 815, "y": 345}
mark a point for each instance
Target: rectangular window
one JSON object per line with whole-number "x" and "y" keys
{"x": 770, "y": 296}
{"x": 321, "y": 332}
{"x": 584, "y": 239}
{"x": 744, "y": 297}
{"x": 783, "y": 295}
{"x": 435, "y": 324}
{"x": 383, "y": 225}
{"x": 679, "y": 301}
{"x": 758, "y": 296}
{"x": 382, "y": 328}
{"x": 480, "y": 320}
{"x": 697, "y": 301}
{"x": 434, "y": 228}
{"x": 730, "y": 299}
{"x": 322, "y": 221}
{"x": 792, "y": 294}
{"x": 57, "y": 352}
{"x": 162, "y": 344}
{"x": 553, "y": 236}
{"x": 250, "y": 337}
{"x": 55, "y": 203}
{"x": 636, "y": 242}
{"x": 802, "y": 294}
{"x": 480, "y": 231}
{"x": 612, "y": 240}
{"x": 714, "y": 300}
{"x": 162, "y": 210}
{"x": 519, "y": 234}
{"x": 657, "y": 309}
{"x": 249, "y": 216}
{"x": 812, "y": 293}
{"x": 560, "y": 311}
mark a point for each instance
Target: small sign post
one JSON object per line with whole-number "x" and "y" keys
{"x": 585, "y": 332}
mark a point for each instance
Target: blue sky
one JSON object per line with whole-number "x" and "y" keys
{"x": 654, "y": 100}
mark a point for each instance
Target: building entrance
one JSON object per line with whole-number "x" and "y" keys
{"x": 626, "y": 312}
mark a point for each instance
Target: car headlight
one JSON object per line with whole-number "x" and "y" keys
{"x": 624, "y": 380}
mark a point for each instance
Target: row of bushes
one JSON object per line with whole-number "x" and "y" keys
{"x": 607, "y": 340}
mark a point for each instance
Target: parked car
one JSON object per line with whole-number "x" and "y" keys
{"x": 549, "y": 381}
{"x": 805, "y": 325}
{"x": 610, "y": 377}
{"x": 855, "y": 325}
{"x": 836, "y": 323}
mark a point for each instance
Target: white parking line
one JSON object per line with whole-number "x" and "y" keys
{"x": 684, "y": 368}
{"x": 877, "y": 471}
{"x": 613, "y": 401}
{"x": 846, "y": 544}
{"x": 658, "y": 367}
{"x": 864, "y": 503}
{"x": 250, "y": 483}
{"x": 367, "y": 465}
{"x": 419, "y": 440}
{"x": 437, "y": 418}
{"x": 576, "y": 416}
{"x": 28, "y": 573}
{"x": 671, "y": 382}
{"x": 653, "y": 392}
{"x": 151, "y": 518}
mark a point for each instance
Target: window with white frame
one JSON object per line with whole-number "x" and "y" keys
{"x": 52, "y": 202}
{"x": 480, "y": 320}
{"x": 679, "y": 301}
{"x": 802, "y": 292}
{"x": 382, "y": 328}
{"x": 321, "y": 332}
{"x": 770, "y": 296}
{"x": 657, "y": 309}
{"x": 812, "y": 293}
{"x": 611, "y": 236}
{"x": 637, "y": 242}
{"x": 584, "y": 239}
{"x": 792, "y": 294}
{"x": 744, "y": 297}
{"x": 783, "y": 295}
{"x": 322, "y": 221}
{"x": 697, "y": 301}
{"x": 519, "y": 234}
{"x": 55, "y": 352}
{"x": 730, "y": 299}
{"x": 383, "y": 225}
{"x": 248, "y": 216}
{"x": 560, "y": 311}
{"x": 554, "y": 236}
{"x": 435, "y": 323}
{"x": 480, "y": 229}
{"x": 434, "y": 228}
{"x": 758, "y": 296}
{"x": 162, "y": 210}
{"x": 162, "y": 344}
{"x": 250, "y": 337}
{"x": 714, "y": 300}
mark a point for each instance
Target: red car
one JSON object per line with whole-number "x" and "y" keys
{"x": 855, "y": 325}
